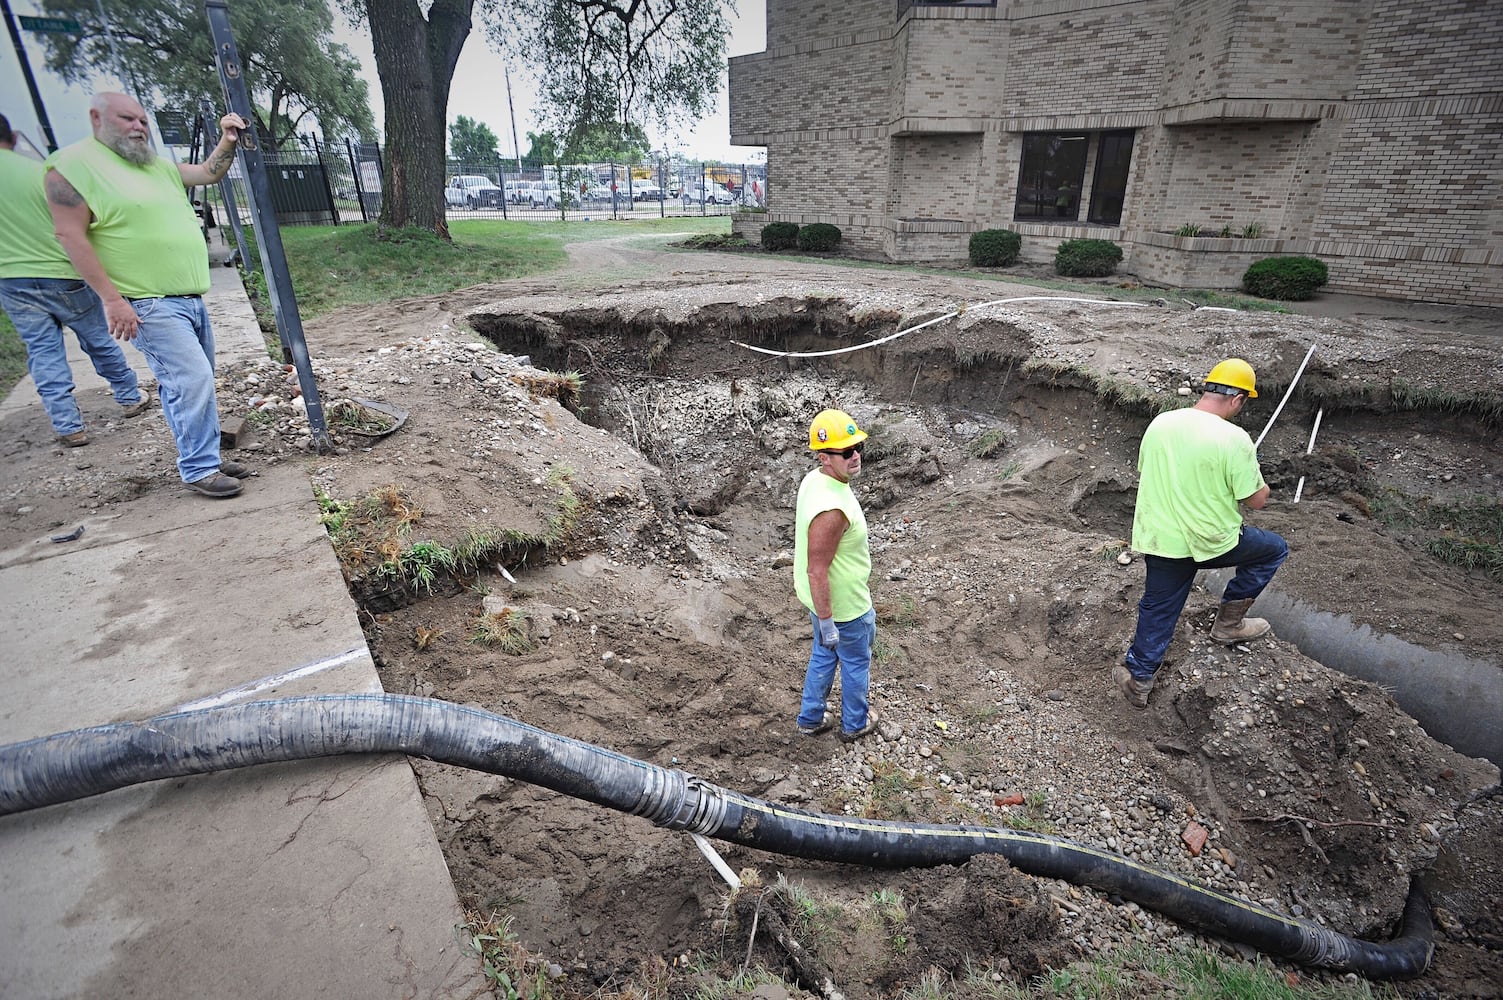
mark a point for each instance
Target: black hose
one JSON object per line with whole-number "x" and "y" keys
{"x": 74, "y": 765}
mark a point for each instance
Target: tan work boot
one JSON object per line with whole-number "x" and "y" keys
{"x": 1134, "y": 690}
{"x": 1233, "y": 625}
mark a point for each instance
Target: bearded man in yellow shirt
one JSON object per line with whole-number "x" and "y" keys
{"x": 122, "y": 214}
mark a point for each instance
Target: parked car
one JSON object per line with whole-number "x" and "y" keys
{"x": 646, "y": 191}
{"x": 472, "y": 191}
{"x": 708, "y": 194}
{"x": 520, "y": 192}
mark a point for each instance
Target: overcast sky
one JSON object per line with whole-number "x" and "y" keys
{"x": 478, "y": 91}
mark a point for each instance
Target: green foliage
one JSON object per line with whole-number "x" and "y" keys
{"x": 1252, "y": 231}
{"x": 1188, "y": 229}
{"x": 818, "y": 237}
{"x": 1087, "y": 258}
{"x": 606, "y": 68}
{"x": 504, "y": 960}
{"x": 472, "y": 142}
{"x": 295, "y": 74}
{"x": 12, "y": 355}
{"x": 995, "y": 247}
{"x": 1284, "y": 278}
{"x": 780, "y": 236}
{"x": 505, "y": 631}
{"x": 989, "y": 444}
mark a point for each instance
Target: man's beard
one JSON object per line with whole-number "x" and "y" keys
{"x": 140, "y": 153}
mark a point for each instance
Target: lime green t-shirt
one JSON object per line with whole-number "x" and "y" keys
{"x": 852, "y": 566}
{"x": 28, "y": 246}
{"x": 1193, "y": 468}
{"x": 144, "y": 229}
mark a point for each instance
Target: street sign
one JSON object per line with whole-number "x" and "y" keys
{"x": 61, "y": 25}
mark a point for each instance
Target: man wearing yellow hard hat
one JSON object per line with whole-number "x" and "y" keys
{"x": 832, "y": 565}
{"x": 1194, "y": 467}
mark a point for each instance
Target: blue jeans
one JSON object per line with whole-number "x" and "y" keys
{"x": 39, "y": 308}
{"x": 178, "y": 344}
{"x": 1257, "y": 555}
{"x": 854, "y": 654}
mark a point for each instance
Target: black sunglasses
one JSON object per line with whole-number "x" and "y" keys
{"x": 846, "y": 454}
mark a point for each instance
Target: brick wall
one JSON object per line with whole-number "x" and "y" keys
{"x": 1369, "y": 132}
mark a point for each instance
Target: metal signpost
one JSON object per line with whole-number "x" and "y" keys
{"x": 36, "y": 24}
{"x": 263, "y": 215}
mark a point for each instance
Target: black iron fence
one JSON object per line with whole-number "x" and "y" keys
{"x": 317, "y": 184}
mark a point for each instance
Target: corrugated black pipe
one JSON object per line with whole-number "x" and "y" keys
{"x": 86, "y": 762}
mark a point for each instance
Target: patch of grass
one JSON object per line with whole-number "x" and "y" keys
{"x": 989, "y": 443}
{"x": 505, "y": 631}
{"x": 514, "y": 974}
{"x": 12, "y": 356}
{"x": 337, "y": 266}
{"x": 901, "y": 612}
{"x": 1108, "y": 551}
{"x": 348, "y": 415}
{"x": 1113, "y": 392}
{"x": 565, "y": 387}
{"x": 885, "y": 651}
{"x": 1468, "y": 534}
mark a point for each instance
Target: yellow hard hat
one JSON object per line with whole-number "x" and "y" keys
{"x": 833, "y": 430}
{"x": 1236, "y": 373}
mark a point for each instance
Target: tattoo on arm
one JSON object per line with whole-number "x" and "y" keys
{"x": 218, "y": 163}
{"x": 60, "y": 192}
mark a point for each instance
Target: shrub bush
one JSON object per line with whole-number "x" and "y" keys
{"x": 1286, "y": 278}
{"x": 818, "y": 236}
{"x": 1087, "y": 258}
{"x": 995, "y": 247}
{"x": 780, "y": 236}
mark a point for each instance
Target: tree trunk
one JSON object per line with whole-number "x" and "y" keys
{"x": 415, "y": 60}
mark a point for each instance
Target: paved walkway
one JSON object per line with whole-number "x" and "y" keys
{"x": 310, "y": 879}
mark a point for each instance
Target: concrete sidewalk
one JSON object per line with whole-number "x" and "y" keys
{"x": 297, "y": 880}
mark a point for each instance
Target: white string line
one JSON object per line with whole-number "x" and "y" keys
{"x": 274, "y": 680}
{"x": 931, "y": 322}
{"x": 1280, "y": 408}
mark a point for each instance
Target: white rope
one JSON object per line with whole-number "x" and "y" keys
{"x": 1314, "y": 430}
{"x": 1280, "y": 408}
{"x": 931, "y": 322}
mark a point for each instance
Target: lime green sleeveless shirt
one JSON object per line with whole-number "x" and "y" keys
{"x": 28, "y": 246}
{"x": 852, "y": 566}
{"x": 144, "y": 229}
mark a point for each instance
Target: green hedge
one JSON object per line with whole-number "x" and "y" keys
{"x": 818, "y": 236}
{"x": 1087, "y": 258}
{"x": 1286, "y": 278}
{"x": 780, "y": 236}
{"x": 995, "y": 247}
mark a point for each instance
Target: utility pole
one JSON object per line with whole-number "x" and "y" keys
{"x": 513, "y": 113}
{"x": 31, "y": 82}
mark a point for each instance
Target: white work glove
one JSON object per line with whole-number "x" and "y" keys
{"x": 828, "y": 636}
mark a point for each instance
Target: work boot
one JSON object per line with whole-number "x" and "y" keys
{"x": 1134, "y": 690}
{"x": 137, "y": 408}
{"x": 216, "y": 485}
{"x": 234, "y": 469}
{"x": 75, "y": 440}
{"x": 1232, "y": 624}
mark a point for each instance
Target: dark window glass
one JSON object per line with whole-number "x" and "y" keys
{"x": 1051, "y": 175}
{"x": 1109, "y": 186}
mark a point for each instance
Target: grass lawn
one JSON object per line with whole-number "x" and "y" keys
{"x": 336, "y": 266}
{"x": 12, "y": 355}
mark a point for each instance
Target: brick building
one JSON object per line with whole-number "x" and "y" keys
{"x": 1368, "y": 133}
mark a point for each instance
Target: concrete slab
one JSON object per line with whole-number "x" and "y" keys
{"x": 319, "y": 878}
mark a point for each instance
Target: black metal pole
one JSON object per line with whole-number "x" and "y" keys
{"x": 323, "y": 168}
{"x": 31, "y": 82}
{"x": 268, "y": 233}
{"x": 349, "y": 149}
{"x": 227, "y": 192}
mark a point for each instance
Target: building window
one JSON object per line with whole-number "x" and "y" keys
{"x": 1051, "y": 178}
{"x": 1109, "y": 186}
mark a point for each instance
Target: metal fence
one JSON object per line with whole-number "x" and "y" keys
{"x": 316, "y": 184}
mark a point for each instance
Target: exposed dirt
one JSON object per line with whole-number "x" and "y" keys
{"x": 649, "y": 535}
